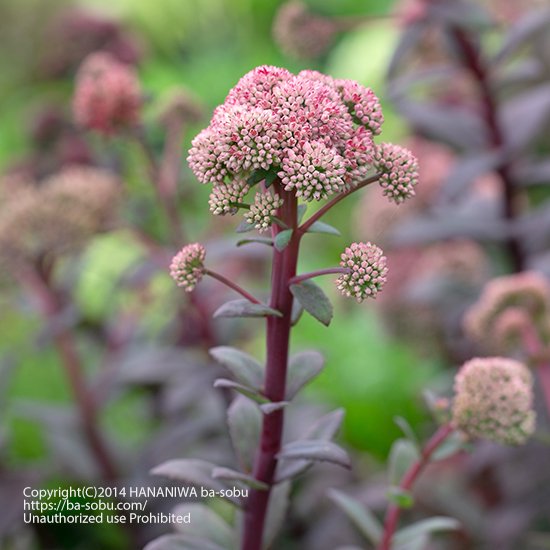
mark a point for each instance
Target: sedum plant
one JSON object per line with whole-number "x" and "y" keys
{"x": 279, "y": 142}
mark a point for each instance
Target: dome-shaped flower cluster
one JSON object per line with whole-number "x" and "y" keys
{"x": 187, "y": 267}
{"x": 399, "y": 169}
{"x": 366, "y": 273}
{"x": 489, "y": 319}
{"x": 57, "y": 216}
{"x": 107, "y": 95}
{"x": 263, "y": 209}
{"x": 494, "y": 400}
{"x": 312, "y": 131}
{"x": 224, "y": 198}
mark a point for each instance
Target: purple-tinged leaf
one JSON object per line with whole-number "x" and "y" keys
{"x": 525, "y": 30}
{"x": 245, "y": 308}
{"x": 245, "y": 423}
{"x": 240, "y": 364}
{"x": 302, "y": 368}
{"x": 316, "y": 450}
{"x": 282, "y": 239}
{"x": 276, "y": 513}
{"x": 359, "y": 515}
{"x": 268, "y": 408}
{"x": 525, "y": 117}
{"x": 205, "y": 525}
{"x": 232, "y": 475}
{"x": 247, "y": 391}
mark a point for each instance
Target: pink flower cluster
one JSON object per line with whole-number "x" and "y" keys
{"x": 494, "y": 400}
{"x": 509, "y": 304}
{"x": 107, "y": 95}
{"x": 399, "y": 169}
{"x": 225, "y": 198}
{"x": 367, "y": 271}
{"x": 187, "y": 267}
{"x": 313, "y": 131}
{"x": 263, "y": 209}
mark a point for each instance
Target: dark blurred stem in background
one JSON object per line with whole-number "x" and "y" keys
{"x": 394, "y": 511}
{"x": 478, "y": 68}
{"x": 539, "y": 355}
{"x": 165, "y": 179}
{"x": 278, "y": 339}
{"x": 52, "y": 306}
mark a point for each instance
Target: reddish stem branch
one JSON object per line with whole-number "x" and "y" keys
{"x": 233, "y": 286}
{"x": 51, "y": 306}
{"x": 476, "y": 65}
{"x": 318, "y": 273}
{"x": 278, "y": 337}
{"x": 393, "y": 512}
{"x": 322, "y": 211}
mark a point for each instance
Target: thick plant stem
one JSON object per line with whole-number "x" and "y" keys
{"x": 278, "y": 337}
{"x": 476, "y": 65}
{"x": 393, "y": 513}
{"x": 70, "y": 361}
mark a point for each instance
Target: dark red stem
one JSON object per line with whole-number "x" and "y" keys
{"x": 322, "y": 211}
{"x": 51, "y": 306}
{"x": 393, "y": 512}
{"x": 234, "y": 286}
{"x": 477, "y": 66}
{"x": 278, "y": 337}
{"x": 318, "y": 273}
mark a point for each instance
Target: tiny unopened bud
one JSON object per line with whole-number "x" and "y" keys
{"x": 226, "y": 197}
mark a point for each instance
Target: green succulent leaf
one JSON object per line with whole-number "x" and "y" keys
{"x": 282, "y": 239}
{"x": 322, "y": 227}
{"x": 313, "y": 300}
{"x": 258, "y": 240}
{"x": 205, "y": 525}
{"x": 245, "y": 227}
{"x": 400, "y": 497}
{"x": 403, "y": 455}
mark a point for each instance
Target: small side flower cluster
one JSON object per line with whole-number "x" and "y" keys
{"x": 107, "y": 95}
{"x": 312, "y": 131}
{"x": 494, "y": 400}
{"x": 399, "y": 169}
{"x": 187, "y": 267}
{"x": 225, "y": 199}
{"x": 57, "y": 216}
{"x": 263, "y": 210}
{"x": 366, "y": 274}
{"x": 509, "y": 305}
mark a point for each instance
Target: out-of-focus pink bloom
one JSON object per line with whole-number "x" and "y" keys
{"x": 494, "y": 400}
{"x": 107, "y": 96}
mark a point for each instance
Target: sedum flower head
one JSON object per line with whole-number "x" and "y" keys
{"x": 107, "y": 96}
{"x": 57, "y": 216}
{"x": 363, "y": 105}
{"x": 494, "y": 400}
{"x": 528, "y": 292}
{"x": 311, "y": 130}
{"x": 399, "y": 169}
{"x": 224, "y": 198}
{"x": 313, "y": 172}
{"x": 187, "y": 267}
{"x": 367, "y": 271}
{"x": 301, "y": 33}
{"x": 263, "y": 209}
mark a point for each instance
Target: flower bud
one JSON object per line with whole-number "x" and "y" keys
{"x": 187, "y": 267}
